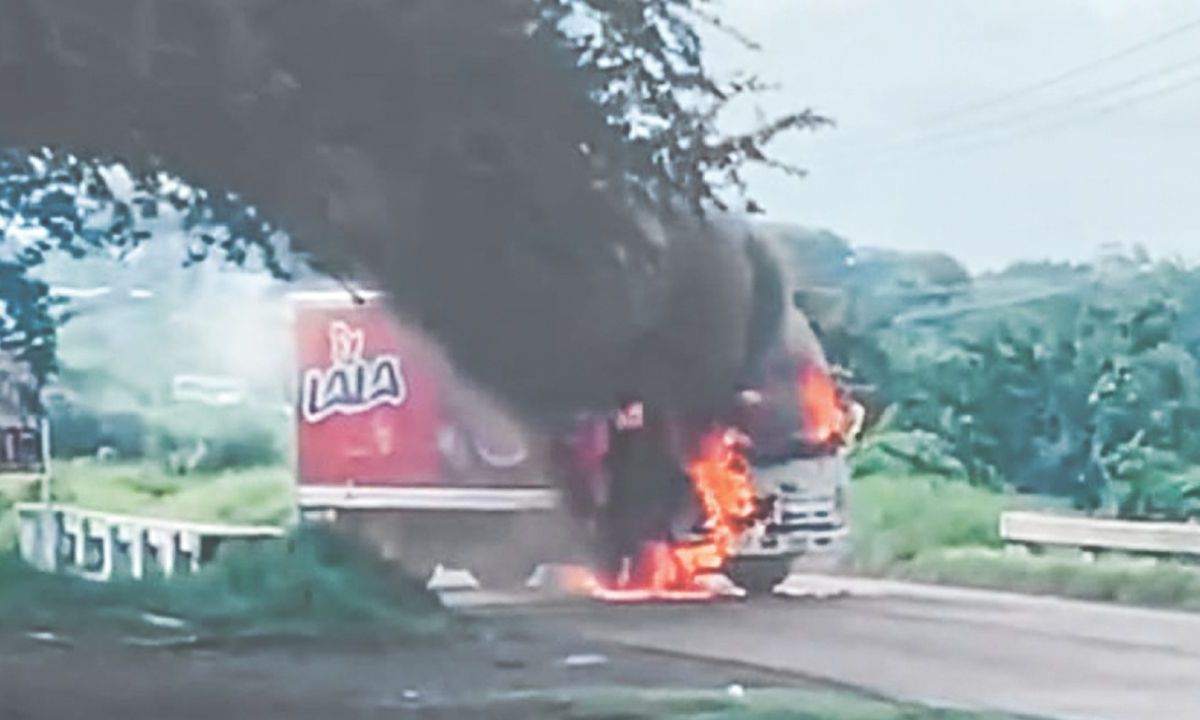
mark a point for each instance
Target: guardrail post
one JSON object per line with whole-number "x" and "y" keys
{"x": 97, "y": 533}
{"x": 163, "y": 543}
{"x": 137, "y": 553}
{"x": 39, "y": 539}
{"x": 1017, "y": 549}
{"x": 72, "y": 531}
{"x": 189, "y": 547}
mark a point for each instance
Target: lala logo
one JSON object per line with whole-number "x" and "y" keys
{"x": 351, "y": 384}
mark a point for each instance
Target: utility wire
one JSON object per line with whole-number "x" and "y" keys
{"x": 1103, "y": 111}
{"x": 1041, "y": 128}
{"x": 941, "y": 120}
{"x": 1065, "y": 75}
{"x": 1065, "y": 105}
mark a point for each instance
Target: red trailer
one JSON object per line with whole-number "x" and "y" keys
{"x": 395, "y": 447}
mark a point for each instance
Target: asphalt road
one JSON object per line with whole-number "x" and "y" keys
{"x": 1035, "y": 656}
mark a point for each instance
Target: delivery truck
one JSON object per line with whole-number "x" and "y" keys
{"x": 397, "y": 448}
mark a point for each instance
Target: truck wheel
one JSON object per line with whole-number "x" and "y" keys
{"x": 758, "y": 575}
{"x": 503, "y": 576}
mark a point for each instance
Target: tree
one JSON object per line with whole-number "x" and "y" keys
{"x": 509, "y": 195}
{"x": 1076, "y": 382}
{"x": 645, "y": 67}
{"x": 57, "y": 203}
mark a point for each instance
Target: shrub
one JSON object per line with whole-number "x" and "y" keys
{"x": 190, "y": 439}
{"x": 312, "y": 584}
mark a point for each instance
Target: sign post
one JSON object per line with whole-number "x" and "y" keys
{"x": 46, "y": 493}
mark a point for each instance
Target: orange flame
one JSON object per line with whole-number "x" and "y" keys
{"x": 721, "y": 477}
{"x": 819, "y": 405}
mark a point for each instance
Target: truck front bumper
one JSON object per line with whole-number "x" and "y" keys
{"x": 798, "y": 527}
{"x": 808, "y": 515}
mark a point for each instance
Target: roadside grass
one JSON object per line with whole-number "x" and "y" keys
{"x": 897, "y": 518}
{"x": 750, "y": 704}
{"x": 310, "y": 585}
{"x": 939, "y": 530}
{"x": 1124, "y": 580}
{"x": 919, "y": 527}
{"x": 252, "y": 496}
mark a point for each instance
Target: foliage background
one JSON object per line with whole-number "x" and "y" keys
{"x": 1075, "y": 381}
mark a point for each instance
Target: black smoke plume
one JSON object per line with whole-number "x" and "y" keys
{"x": 437, "y": 148}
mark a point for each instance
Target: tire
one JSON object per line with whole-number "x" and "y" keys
{"x": 503, "y": 576}
{"x": 759, "y": 575}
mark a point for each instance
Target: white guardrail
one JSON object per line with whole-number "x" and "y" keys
{"x": 100, "y": 546}
{"x": 1036, "y": 530}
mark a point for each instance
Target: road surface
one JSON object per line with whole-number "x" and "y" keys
{"x": 466, "y": 676}
{"x": 1037, "y": 656}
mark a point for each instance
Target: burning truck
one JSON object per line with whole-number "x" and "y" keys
{"x": 742, "y": 493}
{"x": 398, "y": 447}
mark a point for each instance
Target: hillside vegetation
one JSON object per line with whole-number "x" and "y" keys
{"x": 1079, "y": 382}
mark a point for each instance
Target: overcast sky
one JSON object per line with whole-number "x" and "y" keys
{"x": 1111, "y": 155}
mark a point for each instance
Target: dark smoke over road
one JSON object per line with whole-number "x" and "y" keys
{"x": 440, "y": 150}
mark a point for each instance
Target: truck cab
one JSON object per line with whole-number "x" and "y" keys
{"x": 807, "y": 519}
{"x": 800, "y": 429}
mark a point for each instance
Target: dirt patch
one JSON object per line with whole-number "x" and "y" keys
{"x": 447, "y": 678}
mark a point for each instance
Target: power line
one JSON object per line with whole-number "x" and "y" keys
{"x": 1103, "y": 111}
{"x": 934, "y": 136}
{"x": 1041, "y": 128}
{"x": 1065, "y": 75}
{"x": 1065, "y": 104}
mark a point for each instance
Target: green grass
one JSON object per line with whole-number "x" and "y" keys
{"x": 259, "y": 495}
{"x": 251, "y": 496}
{"x": 933, "y": 529}
{"x": 309, "y": 585}
{"x": 754, "y": 704}
{"x": 896, "y": 519}
{"x": 920, "y": 527}
{"x": 1109, "y": 579}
